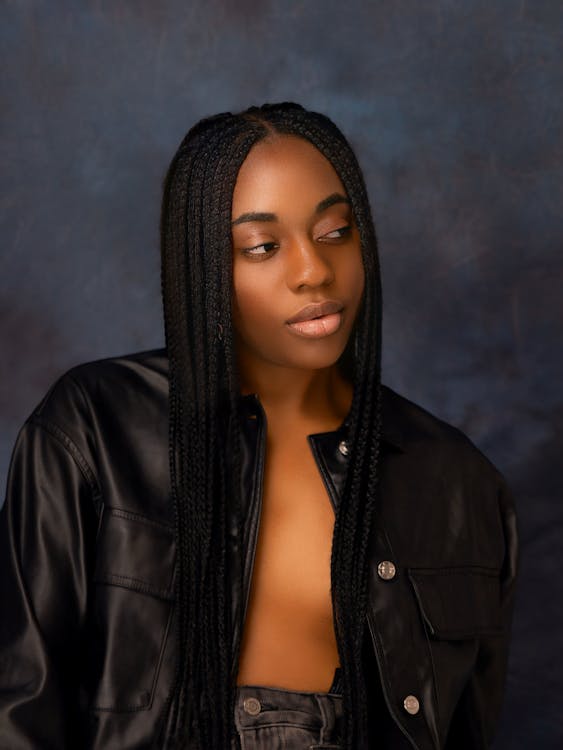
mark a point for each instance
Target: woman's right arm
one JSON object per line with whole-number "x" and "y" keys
{"x": 47, "y": 533}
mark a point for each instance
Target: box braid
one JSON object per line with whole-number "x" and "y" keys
{"x": 204, "y": 421}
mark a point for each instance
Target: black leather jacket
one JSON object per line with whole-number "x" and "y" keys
{"x": 87, "y": 564}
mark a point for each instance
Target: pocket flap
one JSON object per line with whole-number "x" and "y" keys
{"x": 135, "y": 552}
{"x": 460, "y": 602}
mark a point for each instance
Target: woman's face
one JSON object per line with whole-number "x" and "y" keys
{"x": 295, "y": 244}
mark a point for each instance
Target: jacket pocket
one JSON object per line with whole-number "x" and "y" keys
{"x": 458, "y": 603}
{"x": 132, "y": 603}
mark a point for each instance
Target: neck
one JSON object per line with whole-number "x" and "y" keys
{"x": 319, "y": 397}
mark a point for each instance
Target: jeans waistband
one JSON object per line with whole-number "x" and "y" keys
{"x": 260, "y": 705}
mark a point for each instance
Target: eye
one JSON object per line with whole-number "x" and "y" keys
{"x": 259, "y": 251}
{"x": 337, "y": 234}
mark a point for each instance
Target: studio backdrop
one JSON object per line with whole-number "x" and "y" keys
{"x": 454, "y": 109}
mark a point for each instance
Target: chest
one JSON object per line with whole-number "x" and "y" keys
{"x": 292, "y": 564}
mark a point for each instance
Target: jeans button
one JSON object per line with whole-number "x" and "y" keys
{"x": 252, "y": 706}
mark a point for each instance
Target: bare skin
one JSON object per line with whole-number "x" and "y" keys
{"x": 289, "y": 638}
{"x": 279, "y": 266}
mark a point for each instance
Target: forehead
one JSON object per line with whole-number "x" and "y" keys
{"x": 284, "y": 167}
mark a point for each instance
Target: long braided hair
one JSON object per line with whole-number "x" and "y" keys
{"x": 204, "y": 418}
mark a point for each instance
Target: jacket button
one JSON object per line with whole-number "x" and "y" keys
{"x": 343, "y": 447}
{"x": 252, "y": 706}
{"x": 411, "y": 704}
{"x": 386, "y": 570}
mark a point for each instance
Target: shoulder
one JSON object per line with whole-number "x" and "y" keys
{"x": 93, "y": 394}
{"x": 426, "y": 438}
{"x": 88, "y": 381}
{"x": 437, "y": 485}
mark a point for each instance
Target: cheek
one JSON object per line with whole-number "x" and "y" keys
{"x": 354, "y": 277}
{"x": 250, "y": 304}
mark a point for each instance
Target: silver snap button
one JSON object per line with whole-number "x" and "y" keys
{"x": 343, "y": 447}
{"x": 386, "y": 570}
{"x": 411, "y": 704}
{"x": 252, "y": 706}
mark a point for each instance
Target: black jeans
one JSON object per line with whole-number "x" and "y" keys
{"x": 270, "y": 718}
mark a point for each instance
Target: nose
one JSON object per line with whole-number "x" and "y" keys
{"x": 308, "y": 265}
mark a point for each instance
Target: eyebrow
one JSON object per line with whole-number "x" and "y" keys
{"x": 327, "y": 202}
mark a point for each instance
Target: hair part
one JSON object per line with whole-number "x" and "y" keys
{"x": 205, "y": 428}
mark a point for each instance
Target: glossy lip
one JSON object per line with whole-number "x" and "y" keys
{"x": 316, "y": 310}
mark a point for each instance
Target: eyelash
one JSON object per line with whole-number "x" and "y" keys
{"x": 344, "y": 231}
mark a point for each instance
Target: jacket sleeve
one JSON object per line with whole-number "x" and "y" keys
{"x": 46, "y": 525}
{"x": 476, "y": 717}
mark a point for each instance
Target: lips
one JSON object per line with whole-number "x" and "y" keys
{"x": 316, "y": 310}
{"x": 317, "y": 320}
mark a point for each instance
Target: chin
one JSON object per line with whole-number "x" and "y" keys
{"x": 315, "y": 360}
{"x": 295, "y": 354}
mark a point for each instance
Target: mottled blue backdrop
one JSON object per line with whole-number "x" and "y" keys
{"x": 455, "y": 111}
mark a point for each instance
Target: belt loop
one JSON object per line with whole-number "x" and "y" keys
{"x": 326, "y": 709}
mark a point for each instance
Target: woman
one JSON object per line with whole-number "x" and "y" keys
{"x": 245, "y": 540}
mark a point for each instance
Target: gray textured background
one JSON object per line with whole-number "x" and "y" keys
{"x": 454, "y": 109}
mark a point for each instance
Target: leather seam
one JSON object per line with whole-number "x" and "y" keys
{"x": 443, "y": 634}
{"x": 113, "y": 579}
{"x": 122, "y": 709}
{"x": 476, "y": 570}
{"x": 130, "y": 516}
{"x": 61, "y": 437}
